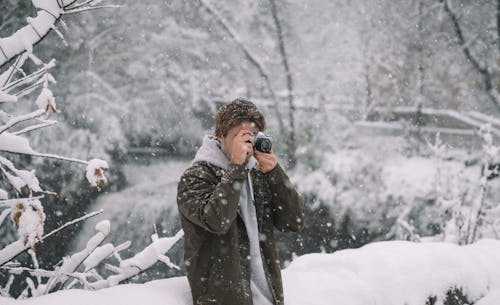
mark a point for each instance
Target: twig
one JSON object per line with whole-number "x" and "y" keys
{"x": 34, "y": 127}
{"x": 19, "y": 119}
{"x": 76, "y": 11}
{"x": 49, "y": 156}
{"x": 71, "y": 223}
{"x": 79, "y": 5}
{"x": 9, "y": 202}
{"x": 12, "y": 85}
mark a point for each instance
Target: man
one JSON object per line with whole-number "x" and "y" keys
{"x": 230, "y": 200}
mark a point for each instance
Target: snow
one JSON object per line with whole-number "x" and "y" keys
{"x": 103, "y": 226}
{"x": 16, "y": 182}
{"x": 46, "y": 101}
{"x": 13, "y": 143}
{"x": 30, "y": 179}
{"x": 10, "y": 251}
{"x": 147, "y": 257}
{"x": 410, "y": 178}
{"x": 21, "y": 178}
{"x": 3, "y": 194}
{"x": 4, "y": 97}
{"x": 99, "y": 254}
{"x": 26, "y": 37}
{"x": 383, "y": 273}
{"x": 31, "y": 218}
{"x": 94, "y": 172}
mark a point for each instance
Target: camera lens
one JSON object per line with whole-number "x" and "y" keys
{"x": 265, "y": 146}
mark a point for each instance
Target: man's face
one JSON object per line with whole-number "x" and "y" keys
{"x": 227, "y": 141}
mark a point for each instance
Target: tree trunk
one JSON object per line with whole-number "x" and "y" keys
{"x": 291, "y": 141}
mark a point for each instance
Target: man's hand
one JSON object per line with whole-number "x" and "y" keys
{"x": 267, "y": 162}
{"x": 242, "y": 147}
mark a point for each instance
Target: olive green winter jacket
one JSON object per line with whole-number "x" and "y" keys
{"x": 216, "y": 244}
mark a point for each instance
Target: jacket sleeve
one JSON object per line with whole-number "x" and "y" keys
{"x": 206, "y": 203}
{"x": 286, "y": 204}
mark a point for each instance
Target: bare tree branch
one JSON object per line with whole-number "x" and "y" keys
{"x": 289, "y": 83}
{"x": 498, "y": 24}
{"x": 482, "y": 69}
{"x": 72, "y": 222}
{"x": 76, "y": 11}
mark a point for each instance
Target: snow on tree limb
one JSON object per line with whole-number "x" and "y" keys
{"x": 19, "y": 119}
{"x": 12, "y": 202}
{"x": 46, "y": 123}
{"x": 5, "y": 97}
{"x": 20, "y": 178}
{"x": 4, "y": 214}
{"x": 75, "y": 11}
{"x": 14, "y": 249}
{"x": 27, "y": 214}
{"x": 48, "y": 14}
{"x": 70, "y": 264}
{"x": 141, "y": 261}
{"x": 21, "y": 41}
{"x": 95, "y": 174}
{"x": 101, "y": 253}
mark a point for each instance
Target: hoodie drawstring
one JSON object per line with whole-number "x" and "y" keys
{"x": 250, "y": 186}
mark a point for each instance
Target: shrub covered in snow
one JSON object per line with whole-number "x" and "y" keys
{"x": 373, "y": 190}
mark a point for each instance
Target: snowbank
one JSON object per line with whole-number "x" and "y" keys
{"x": 384, "y": 273}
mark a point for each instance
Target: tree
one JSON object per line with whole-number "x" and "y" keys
{"x": 264, "y": 73}
{"x": 478, "y": 49}
{"x": 22, "y": 75}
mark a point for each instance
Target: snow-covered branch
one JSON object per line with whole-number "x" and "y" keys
{"x": 14, "y": 249}
{"x": 93, "y": 255}
{"x": 19, "y": 119}
{"x": 70, "y": 264}
{"x": 142, "y": 260}
{"x": 46, "y": 123}
{"x": 48, "y": 14}
{"x": 27, "y": 212}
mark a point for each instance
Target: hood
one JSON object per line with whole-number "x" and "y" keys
{"x": 211, "y": 152}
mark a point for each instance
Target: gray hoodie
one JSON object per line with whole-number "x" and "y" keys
{"x": 211, "y": 152}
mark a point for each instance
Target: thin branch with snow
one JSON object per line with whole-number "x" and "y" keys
{"x": 141, "y": 261}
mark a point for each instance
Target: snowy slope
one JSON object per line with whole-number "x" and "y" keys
{"x": 384, "y": 273}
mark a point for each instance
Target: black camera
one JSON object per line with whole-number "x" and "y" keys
{"x": 262, "y": 143}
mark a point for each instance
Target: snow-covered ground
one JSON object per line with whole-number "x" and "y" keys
{"x": 384, "y": 273}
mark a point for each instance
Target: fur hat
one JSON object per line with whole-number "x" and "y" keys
{"x": 235, "y": 112}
